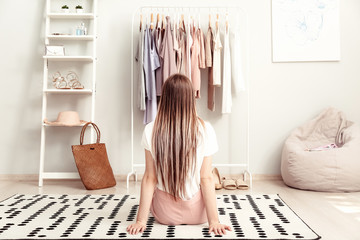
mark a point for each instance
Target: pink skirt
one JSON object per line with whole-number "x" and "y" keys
{"x": 170, "y": 212}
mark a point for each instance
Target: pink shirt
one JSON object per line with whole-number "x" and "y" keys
{"x": 197, "y": 58}
{"x": 167, "y": 52}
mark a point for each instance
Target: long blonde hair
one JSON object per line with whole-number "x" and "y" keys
{"x": 175, "y": 132}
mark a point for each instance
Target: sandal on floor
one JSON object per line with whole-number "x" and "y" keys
{"x": 241, "y": 184}
{"x": 217, "y": 180}
{"x": 229, "y": 184}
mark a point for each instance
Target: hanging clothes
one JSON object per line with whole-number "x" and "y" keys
{"x": 226, "y": 84}
{"x": 217, "y": 58}
{"x": 167, "y": 52}
{"x": 197, "y": 59}
{"x": 209, "y": 50}
{"x": 182, "y": 44}
{"x": 177, "y": 47}
{"x": 151, "y": 63}
{"x": 237, "y": 73}
{"x": 189, "y": 42}
{"x": 139, "y": 57}
{"x": 159, "y": 80}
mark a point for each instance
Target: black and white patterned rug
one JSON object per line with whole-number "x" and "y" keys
{"x": 107, "y": 216}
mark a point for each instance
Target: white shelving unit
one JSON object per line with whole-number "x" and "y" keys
{"x": 69, "y": 58}
{"x": 243, "y": 163}
{"x": 69, "y": 91}
{"x": 66, "y": 61}
{"x": 70, "y": 37}
{"x": 72, "y": 15}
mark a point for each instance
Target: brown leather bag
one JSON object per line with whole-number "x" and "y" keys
{"x": 92, "y": 162}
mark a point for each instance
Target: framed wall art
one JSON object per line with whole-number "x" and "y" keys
{"x": 305, "y": 30}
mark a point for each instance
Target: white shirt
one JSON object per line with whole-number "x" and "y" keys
{"x": 207, "y": 146}
{"x": 237, "y": 74}
{"x": 217, "y": 58}
{"x": 226, "y": 86}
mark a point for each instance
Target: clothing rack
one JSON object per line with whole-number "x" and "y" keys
{"x": 147, "y": 10}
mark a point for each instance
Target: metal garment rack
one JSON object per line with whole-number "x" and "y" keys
{"x": 191, "y": 10}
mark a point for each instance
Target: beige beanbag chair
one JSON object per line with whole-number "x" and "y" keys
{"x": 330, "y": 170}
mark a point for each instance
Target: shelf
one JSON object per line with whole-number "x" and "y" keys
{"x": 71, "y": 15}
{"x": 49, "y": 125}
{"x": 60, "y": 175}
{"x": 69, "y": 58}
{"x": 68, "y": 91}
{"x": 71, "y": 37}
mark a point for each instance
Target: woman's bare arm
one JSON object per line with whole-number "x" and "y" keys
{"x": 148, "y": 184}
{"x": 208, "y": 191}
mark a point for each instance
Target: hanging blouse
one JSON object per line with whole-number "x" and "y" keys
{"x": 237, "y": 73}
{"x": 151, "y": 63}
{"x": 182, "y": 44}
{"x": 177, "y": 47}
{"x": 167, "y": 52}
{"x": 159, "y": 80}
{"x": 197, "y": 59}
{"x": 139, "y": 57}
{"x": 189, "y": 42}
{"x": 226, "y": 84}
{"x": 209, "y": 49}
{"x": 217, "y": 59}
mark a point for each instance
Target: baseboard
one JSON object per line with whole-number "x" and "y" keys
{"x": 122, "y": 177}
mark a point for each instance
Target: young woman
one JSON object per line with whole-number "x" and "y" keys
{"x": 177, "y": 186}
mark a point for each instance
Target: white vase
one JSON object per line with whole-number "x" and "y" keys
{"x": 79, "y": 10}
{"x": 64, "y": 10}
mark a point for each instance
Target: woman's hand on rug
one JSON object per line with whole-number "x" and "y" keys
{"x": 136, "y": 228}
{"x": 218, "y": 228}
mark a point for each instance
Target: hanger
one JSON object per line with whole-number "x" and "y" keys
{"x": 141, "y": 20}
{"x": 177, "y": 21}
{"x": 217, "y": 21}
{"x": 163, "y": 22}
{"x": 174, "y": 23}
{"x": 157, "y": 20}
{"x": 199, "y": 19}
{"x": 226, "y": 22}
{"x": 183, "y": 22}
{"x": 152, "y": 21}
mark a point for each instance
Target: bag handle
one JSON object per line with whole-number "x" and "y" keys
{"x": 83, "y": 132}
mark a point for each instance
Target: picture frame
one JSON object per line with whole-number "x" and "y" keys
{"x": 305, "y": 30}
{"x": 51, "y": 50}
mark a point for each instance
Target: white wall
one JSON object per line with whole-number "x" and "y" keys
{"x": 283, "y": 95}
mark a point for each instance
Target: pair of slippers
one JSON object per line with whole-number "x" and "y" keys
{"x": 228, "y": 183}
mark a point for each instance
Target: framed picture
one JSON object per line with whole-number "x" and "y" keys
{"x": 305, "y": 30}
{"x": 54, "y": 50}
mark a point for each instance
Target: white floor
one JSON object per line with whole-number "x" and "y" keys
{"x": 334, "y": 216}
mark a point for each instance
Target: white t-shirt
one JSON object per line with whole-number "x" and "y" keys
{"x": 207, "y": 146}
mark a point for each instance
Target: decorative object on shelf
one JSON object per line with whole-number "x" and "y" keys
{"x": 81, "y": 30}
{"x": 70, "y": 81}
{"x": 92, "y": 162}
{"x": 66, "y": 119}
{"x": 73, "y": 81}
{"x": 59, "y": 81}
{"x": 54, "y": 50}
{"x": 79, "y": 9}
{"x": 65, "y": 9}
